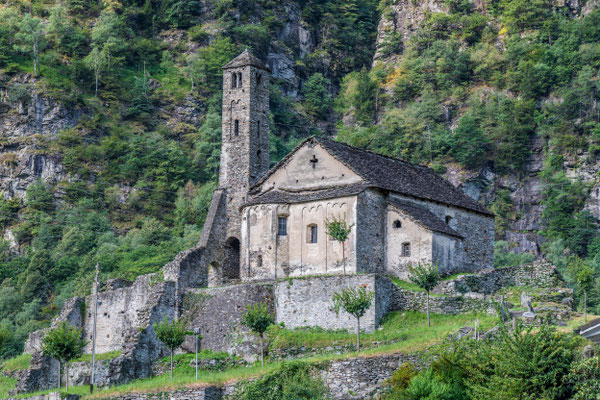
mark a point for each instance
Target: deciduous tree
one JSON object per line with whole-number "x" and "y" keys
{"x": 258, "y": 318}
{"x": 356, "y": 302}
{"x": 64, "y": 343}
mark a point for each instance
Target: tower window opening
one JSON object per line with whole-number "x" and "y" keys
{"x": 448, "y": 219}
{"x": 258, "y": 128}
{"x": 397, "y": 224}
{"x": 236, "y": 127}
{"x": 239, "y": 80}
{"x": 233, "y": 80}
{"x": 258, "y": 79}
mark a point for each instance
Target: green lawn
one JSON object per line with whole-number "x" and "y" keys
{"x": 408, "y": 332}
{"x": 404, "y": 328}
{"x": 17, "y": 363}
{"x": 6, "y": 384}
{"x": 99, "y": 357}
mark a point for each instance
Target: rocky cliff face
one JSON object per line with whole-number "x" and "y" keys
{"x": 400, "y": 21}
{"x": 29, "y": 121}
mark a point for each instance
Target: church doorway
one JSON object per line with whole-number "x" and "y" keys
{"x": 231, "y": 265}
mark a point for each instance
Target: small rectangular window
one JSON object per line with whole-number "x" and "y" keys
{"x": 282, "y": 226}
{"x": 405, "y": 249}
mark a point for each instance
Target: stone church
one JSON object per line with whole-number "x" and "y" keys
{"x": 271, "y": 223}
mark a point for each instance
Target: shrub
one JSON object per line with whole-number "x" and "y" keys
{"x": 294, "y": 380}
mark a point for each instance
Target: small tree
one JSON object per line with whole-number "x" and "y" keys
{"x": 356, "y": 302}
{"x": 172, "y": 334}
{"x": 583, "y": 275}
{"x": 339, "y": 230}
{"x": 64, "y": 343}
{"x": 31, "y": 38}
{"x": 426, "y": 276}
{"x": 258, "y": 318}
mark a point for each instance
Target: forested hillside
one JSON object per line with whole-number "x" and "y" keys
{"x": 110, "y": 121}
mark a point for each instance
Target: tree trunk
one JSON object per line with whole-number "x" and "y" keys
{"x": 59, "y": 382}
{"x": 585, "y": 306}
{"x": 35, "y": 57}
{"x": 262, "y": 351}
{"x": 428, "y": 320}
{"x": 67, "y": 375}
{"x": 96, "y": 95}
{"x": 171, "y": 364}
{"x": 357, "y": 335}
{"x": 344, "y": 255}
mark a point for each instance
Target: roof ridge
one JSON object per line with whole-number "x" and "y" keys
{"x": 319, "y": 138}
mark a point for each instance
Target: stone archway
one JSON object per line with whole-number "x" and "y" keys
{"x": 231, "y": 264}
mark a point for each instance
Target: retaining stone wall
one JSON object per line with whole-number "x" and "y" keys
{"x": 417, "y": 301}
{"x": 218, "y": 311}
{"x": 308, "y": 302}
{"x": 361, "y": 377}
{"x": 536, "y": 274}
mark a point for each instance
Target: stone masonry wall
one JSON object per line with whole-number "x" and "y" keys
{"x": 361, "y": 377}
{"x": 218, "y": 311}
{"x": 370, "y": 235}
{"x": 477, "y": 230}
{"x": 125, "y": 322}
{"x": 536, "y": 274}
{"x": 417, "y": 301}
{"x": 308, "y": 302}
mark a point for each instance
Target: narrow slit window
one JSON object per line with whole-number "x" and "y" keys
{"x": 258, "y": 128}
{"x": 236, "y": 127}
{"x": 282, "y": 226}
{"x": 233, "y": 80}
{"x": 312, "y": 234}
{"x": 448, "y": 219}
{"x": 405, "y": 249}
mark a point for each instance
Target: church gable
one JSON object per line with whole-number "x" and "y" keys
{"x": 309, "y": 167}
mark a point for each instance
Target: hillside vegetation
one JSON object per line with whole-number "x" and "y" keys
{"x": 470, "y": 87}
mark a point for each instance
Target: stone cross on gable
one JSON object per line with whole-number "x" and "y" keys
{"x": 314, "y": 161}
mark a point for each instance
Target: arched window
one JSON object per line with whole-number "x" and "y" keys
{"x": 312, "y": 234}
{"x": 406, "y": 249}
{"x": 397, "y": 224}
{"x": 239, "y": 81}
{"x": 233, "y": 80}
{"x": 236, "y": 127}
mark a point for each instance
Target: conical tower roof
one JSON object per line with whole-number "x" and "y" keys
{"x": 246, "y": 58}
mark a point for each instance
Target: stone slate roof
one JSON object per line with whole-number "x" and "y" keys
{"x": 391, "y": 174}
{"x": 280, "y": 197}
{"x": 246, "y": 58}
{"x": 424, "y": 217}
{"x": 588, "y": 325}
